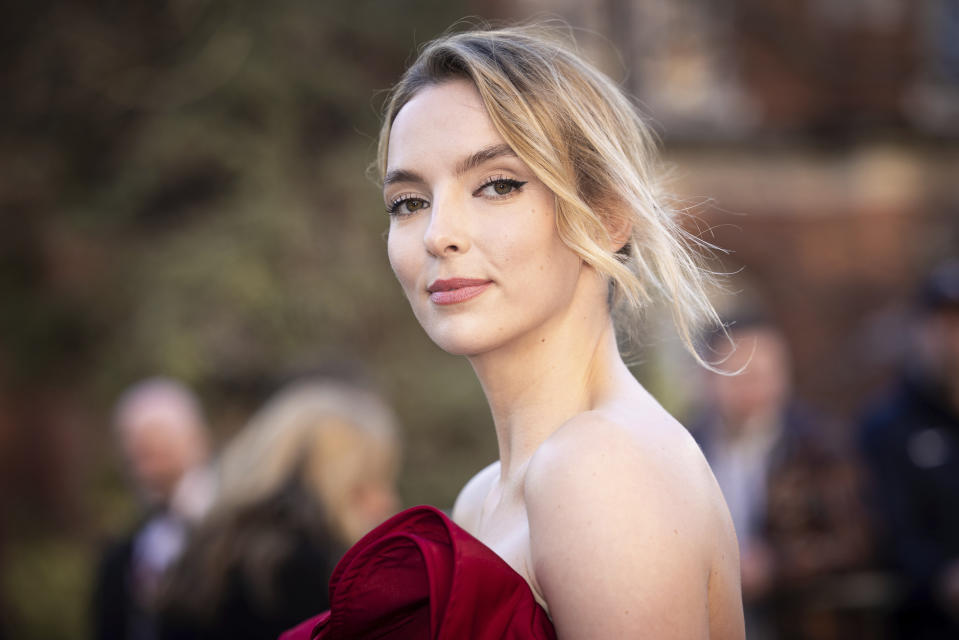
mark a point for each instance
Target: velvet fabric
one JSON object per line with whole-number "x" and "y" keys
{"x": 419, "y": 576}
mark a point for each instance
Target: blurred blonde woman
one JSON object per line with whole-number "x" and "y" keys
{"x": 524, "y": 216}
{"x": 312, "y": 472}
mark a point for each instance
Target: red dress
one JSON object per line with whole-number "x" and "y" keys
{"x": 420, "y": 576}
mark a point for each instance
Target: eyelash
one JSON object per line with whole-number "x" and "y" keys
{"x": 515, "y": 185}
{"x": 394, "y": 206}
{"x": 397, "y": 202}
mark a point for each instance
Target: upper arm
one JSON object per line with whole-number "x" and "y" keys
{"x": 618, "y": 535}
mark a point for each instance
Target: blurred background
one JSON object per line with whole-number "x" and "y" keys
{"x": 183, "y": 193}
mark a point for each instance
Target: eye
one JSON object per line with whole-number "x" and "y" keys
{"x": 405, "y": 205}
{"x": 499, "y": 187}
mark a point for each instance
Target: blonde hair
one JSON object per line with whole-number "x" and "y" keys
{"x": 290, "y": 476}
{"x": 331, "y": 436}
{"x": 584, "y": 139}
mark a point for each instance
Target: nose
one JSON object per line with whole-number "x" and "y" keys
{"x": 447, "y": 233}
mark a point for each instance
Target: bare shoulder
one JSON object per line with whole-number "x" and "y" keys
{"x": 468, "y": 503}
{"x": 629, "y": 534}
{"x": 599, "y": 455}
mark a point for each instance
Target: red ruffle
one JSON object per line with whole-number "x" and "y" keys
{"x": 418, "y": 575}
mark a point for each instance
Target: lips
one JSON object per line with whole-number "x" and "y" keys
{"x": 456, "y": 290}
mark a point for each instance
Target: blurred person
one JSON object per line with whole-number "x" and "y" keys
{"x": 525, "y": 215}
{"x": 792, "y": 496}
{"x": 162, "y": 436}
{"x": 910, "y": 439}
{"x": 313, "y": 471}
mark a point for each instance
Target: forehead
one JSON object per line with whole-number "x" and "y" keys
{"x": 761, "y": 347}
{"x": 441, "y": 123}
{"x": 158, "y": 422}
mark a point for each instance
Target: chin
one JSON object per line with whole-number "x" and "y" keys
{"x": 457, "y": 345}
{"x": 456, "y": 335}
{"x": 462, "y": 336}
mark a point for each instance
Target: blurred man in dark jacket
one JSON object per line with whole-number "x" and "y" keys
{"x": 911, "y": 442}
{"x": 792, "y": 495}
{"x": 163, "y": 439}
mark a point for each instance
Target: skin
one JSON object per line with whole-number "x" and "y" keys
{"x": 600, "y": 500}
{"x": 161, "y": 442}
{"x": 762, "y": 387}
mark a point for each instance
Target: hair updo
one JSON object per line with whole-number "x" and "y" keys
{"x": 585, "y": 141}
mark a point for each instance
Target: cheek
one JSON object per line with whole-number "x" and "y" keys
{"x": 558, "y": 260}
{"x": 530, "y": 242}
{"x": 403, "y": 259}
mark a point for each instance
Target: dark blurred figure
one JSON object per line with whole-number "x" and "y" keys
{"x": 793, "y": 497}
{"x": 311, "y": 474}
{"x": 163, "y": 439}
{"x": 911, "y": 442}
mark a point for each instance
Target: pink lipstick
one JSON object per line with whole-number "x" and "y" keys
{"x": 456, "y": 290}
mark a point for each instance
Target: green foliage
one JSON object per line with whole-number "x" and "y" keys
{"x": 46, "y": 585}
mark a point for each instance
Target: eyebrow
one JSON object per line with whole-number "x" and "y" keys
{"x": 470, "y": 162}
{"x": 484, "y": 155}
{"x": 401, "y": 175}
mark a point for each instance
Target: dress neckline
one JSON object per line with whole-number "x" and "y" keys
{"x": 420, "y": 575}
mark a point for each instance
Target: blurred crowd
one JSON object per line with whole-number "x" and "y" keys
{"x": 842, "y": 536}
{"x": 242, "y": 546}
{"x": 843, "y": 532}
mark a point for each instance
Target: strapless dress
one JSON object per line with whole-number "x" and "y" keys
{"x": 420, "y": 576}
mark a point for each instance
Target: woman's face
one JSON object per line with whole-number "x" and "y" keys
{"x": 473, "y": 238}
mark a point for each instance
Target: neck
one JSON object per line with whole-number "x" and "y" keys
{"x": 539, "y": 381}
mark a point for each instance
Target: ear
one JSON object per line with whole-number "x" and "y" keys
{"x": 619, "y": 229}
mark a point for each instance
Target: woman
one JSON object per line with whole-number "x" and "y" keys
{"x": 523, "y": 217}
{"x": 311, "y": 474}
